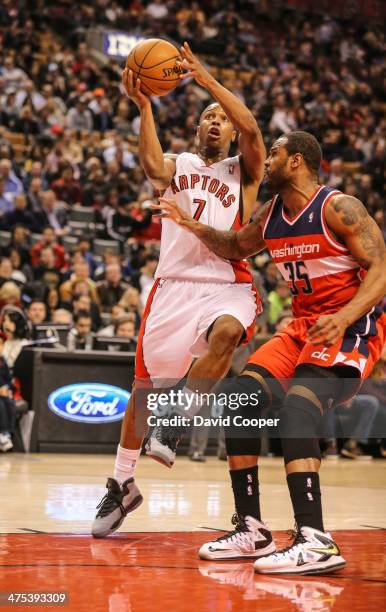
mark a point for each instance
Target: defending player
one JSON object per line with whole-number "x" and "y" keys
{"x": 201, "y": 305}
{"x": 324, "y": 243}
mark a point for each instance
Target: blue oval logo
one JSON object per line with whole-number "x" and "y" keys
{"x": 89, "y": 402}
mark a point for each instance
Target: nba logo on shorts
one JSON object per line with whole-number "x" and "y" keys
{"x": 231, "y": 169}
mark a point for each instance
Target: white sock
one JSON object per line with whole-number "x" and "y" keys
{"x": 125, "y": 463}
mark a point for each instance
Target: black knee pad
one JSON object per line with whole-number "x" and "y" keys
{"x": 246, "y": 397}
{"x": 300, "y": 427}
{"x": 323, "y": 382}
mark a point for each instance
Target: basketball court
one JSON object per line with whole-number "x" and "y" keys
{"x": 151, "y": 563}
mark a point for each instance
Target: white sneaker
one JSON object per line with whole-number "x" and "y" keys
{"x": 5, "y": 442}
{"x": 250, "y": 539}
{"x": 161, "y": 443}
{"x": 114, "y": 506}
{"x": 312, "y": 552}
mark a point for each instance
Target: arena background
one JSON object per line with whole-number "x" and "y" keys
{"x": 77, "y": 236}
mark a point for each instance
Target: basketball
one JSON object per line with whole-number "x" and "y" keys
{"x": 155, "y": 62}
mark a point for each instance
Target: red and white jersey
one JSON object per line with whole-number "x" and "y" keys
{"x": 211, "y": 194}
{"x": 320, "y": 271}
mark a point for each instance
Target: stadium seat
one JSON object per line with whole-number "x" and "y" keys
{"x": 5, "y": 238}
{"x": 35, "y": 238}
{"x": 100, "y": 246}
{"x": 78, "y": 228}
{"x": 82, "y": 213}
{"x": 69, "y": 243}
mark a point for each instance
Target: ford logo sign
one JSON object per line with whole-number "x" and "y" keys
{"x": 89, "y": 402}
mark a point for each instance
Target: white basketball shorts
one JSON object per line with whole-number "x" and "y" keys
{"x": 176, "y": 320}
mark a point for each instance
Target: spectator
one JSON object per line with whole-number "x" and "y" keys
{"x": 81, "y": 273}
{"x": 51, "y": 213}
{"x": 80, "y": 336}
{"x": 67, "y": 189}
{"x": 49, "y": 240}
{"x": 15, "y": 328}
{"x": 119, "y": 151}
{"x": 7, "y": 404}
{"x": 79, "y": 117}
{"x": 124, "y": 327}
{"x": 103, "y": 120}
{"x": 82, "y": 302}
{"x": 36, "y": 172}
{"x": 121, "y": 224}
{"x": 279, "y": 299}
{"x": 112, "y": 289}
{"x": 131, "y": 302}
{"x": 145, "y": 278}
{"x": 271, "y": 276}
{"x": 6, "y": 199}
{"x": 61, "y": 316}
{"x": 95, "y": 188}
{"x": 20, "y": 242}
{"x": 84, "y": 247}
{"x": 10, "y": 294}
{"x": 117, "y": 312}
{"x": 47, "y": 272}
{"x": 22, "y": 272}
{"x": 12, "y": 184}
{"x": 12, "y": 75}
{"x": 19, "y": 215}
{"x": 34, "y": 193}
{"x": 7, "y": 273}
{"x": 37, "y": 312}
{"x": 52, "y": 300}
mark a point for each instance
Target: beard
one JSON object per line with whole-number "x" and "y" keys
{"x": 277, "y": 179}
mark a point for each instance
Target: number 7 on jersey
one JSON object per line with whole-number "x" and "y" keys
{"x": 199, "y": 209}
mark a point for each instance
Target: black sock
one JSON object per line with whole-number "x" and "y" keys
{"x": 304, "y": 488}
{"x": 245, "y": 487}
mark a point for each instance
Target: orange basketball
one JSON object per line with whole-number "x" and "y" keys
{"x": 154, "y": 61}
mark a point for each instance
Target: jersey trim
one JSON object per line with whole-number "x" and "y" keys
{"x": 303, "y": 210}
{"x": 241, "y": 199}
{"x": 326, "y": 230}
{"x": 271, "y": 208}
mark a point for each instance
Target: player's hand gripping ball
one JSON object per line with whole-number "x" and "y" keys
{"x": 156, "y": 63}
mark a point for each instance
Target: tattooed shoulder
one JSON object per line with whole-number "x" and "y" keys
{"x": 358, "y": 229}
{"x": 350, "y": 209}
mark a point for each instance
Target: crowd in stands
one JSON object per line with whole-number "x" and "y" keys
{"x": 78, "y": 241}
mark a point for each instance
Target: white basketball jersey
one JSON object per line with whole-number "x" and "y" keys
{"x": 211, "y": 195}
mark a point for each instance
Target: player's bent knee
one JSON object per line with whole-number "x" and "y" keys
{"x": 225, "y": 337}
{"x": 300, "y": 427}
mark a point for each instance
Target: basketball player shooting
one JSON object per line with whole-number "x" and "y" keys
{"x": 201, "y": 305}
{"x": 323, "y": 242}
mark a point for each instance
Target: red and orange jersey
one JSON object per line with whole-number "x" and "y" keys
{"x": 320, "y": 271}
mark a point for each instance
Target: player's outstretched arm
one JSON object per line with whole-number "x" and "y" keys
{"x": 226, "y": 244}
{"x": 251, "y": 141}
{"x": 349, "y": 220}
{"x": 159, "y": 169}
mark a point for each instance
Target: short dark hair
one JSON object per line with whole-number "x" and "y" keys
{"x": 306, "y": 144}
{"x": 36, "y": 301}
{"x": 81, "y": 314}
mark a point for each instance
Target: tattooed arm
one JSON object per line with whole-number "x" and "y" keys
{"x": 226, "y": 244}
{"x": 350, "y": 222}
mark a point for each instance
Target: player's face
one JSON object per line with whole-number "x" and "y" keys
{"x": 215, "y": 130}
{"x": 277, "y": 171}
